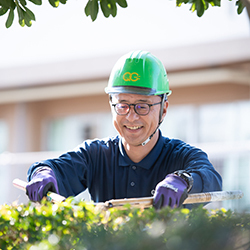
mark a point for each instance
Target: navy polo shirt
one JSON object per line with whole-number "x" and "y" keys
{"x": 104, "y": 168}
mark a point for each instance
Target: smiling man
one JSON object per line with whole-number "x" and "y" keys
{"x": 136, "y": 118}
{"x": 140, "y": 161}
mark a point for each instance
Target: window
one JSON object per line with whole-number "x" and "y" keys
{"x": 3, "y": 136}
{"x": 68, "y": 132}
{"x": 223, "y": 131}
{"x": 4, "y": 171}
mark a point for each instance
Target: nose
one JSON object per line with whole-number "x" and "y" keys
{"x": 132, "y": 115}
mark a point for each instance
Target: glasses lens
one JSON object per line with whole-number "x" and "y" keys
{"x": 122, "y": 108}
{"x": 142, "y": 108}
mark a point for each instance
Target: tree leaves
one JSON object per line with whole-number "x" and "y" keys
{"x": 25, "y": 15}
{"x": 10, "y": 18}
{"x": 122, "y": 3}
{"x": 92, "y": 9}
{"x": 108, "y": 8}
{"x": 3, "y": 10}
{"x": 30, "y": 14}
{"x": 200, "y": 6}
{"x": 240, "y": 5}
{"x": 54, "y": 3}
{"x": 20, "y": 12}
{"x": 36, "y": 2}
{"x": 9, "y": 4}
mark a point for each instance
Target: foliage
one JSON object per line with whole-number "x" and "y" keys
{"x": 200, "y": 6}
{"x": 65, "y": 226}
{"x": 108, "y": 7}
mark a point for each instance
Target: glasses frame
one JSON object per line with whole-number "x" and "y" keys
{"x": 132, "y": 104}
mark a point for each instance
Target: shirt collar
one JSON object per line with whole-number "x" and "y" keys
{"x": 148, "y": 161}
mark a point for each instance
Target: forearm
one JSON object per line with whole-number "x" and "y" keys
{"x": 206, "y": 181}
{"x": 197, "y": 184}
{"x": 206, "y": 178}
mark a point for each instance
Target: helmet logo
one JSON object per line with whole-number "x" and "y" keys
{"x": 131, "y": 77}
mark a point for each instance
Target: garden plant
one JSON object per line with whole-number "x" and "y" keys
{"x": 85, "y": 227}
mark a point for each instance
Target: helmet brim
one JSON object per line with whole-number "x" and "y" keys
{"x": 133, "y": 90}
{"x": 130, "y": 90}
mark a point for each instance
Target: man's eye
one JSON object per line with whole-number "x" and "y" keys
{"x": 141, "y": 107}
{"x": 122, "y": 106}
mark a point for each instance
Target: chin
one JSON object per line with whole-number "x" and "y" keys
{"x": 133, "y": 142}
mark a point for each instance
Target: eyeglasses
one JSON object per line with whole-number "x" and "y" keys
{"x": 140, "y": 108}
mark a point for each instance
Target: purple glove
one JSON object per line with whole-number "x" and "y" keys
{"x": 43, "y": 180}
{"x": 172, "y": 191}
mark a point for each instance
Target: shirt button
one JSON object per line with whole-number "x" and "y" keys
{"x": 132, "y": 184}
{"x": 134, "y": 167}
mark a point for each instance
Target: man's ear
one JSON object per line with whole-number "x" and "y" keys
{"x": 110, "y": 98}
{"x": 110, "y": 101}
{"x": 165, "y": 108}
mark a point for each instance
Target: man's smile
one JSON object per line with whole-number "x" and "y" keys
{"x": 133, "y": 127}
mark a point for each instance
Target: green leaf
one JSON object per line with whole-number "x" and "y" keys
{"x": 193, "y": 7}
{"x": 10, "y": 19}
{"x": 30, "y": 14}
{"x": 23, "y": 2}
{"x": 216, "y": 2}
{"x": 91, "y": 9}
{"x": 37, "y": 2}
{"x": 213, "y": 2}
{"x": 9, "y": 4}
{"x": 54, "y": 3}
{"x": 63, "y": 1}
{"x": 179, "y": 3}
{"x": 27, "y": 19}
{"x": 122, "y": 3}
{"x": 105, "y": 8}
{"x": 108, "y": 7}
{"x": 20, "y": 12}
{"x": 87, "y": 8}
{"x": 113, "y": 8}
{"x": 200, "y": 7}
{"x": 3, "y": 10}
{"x": 240, "y": 5}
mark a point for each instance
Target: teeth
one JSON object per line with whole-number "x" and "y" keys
{"x": 133, "y": 128}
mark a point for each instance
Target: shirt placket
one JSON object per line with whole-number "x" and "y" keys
{"x": 132, "y": 186}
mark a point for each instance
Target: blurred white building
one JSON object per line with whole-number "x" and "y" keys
{"x": 52, "y": 85}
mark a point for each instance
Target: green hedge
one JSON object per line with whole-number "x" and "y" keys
{"x": 63, "y": 226}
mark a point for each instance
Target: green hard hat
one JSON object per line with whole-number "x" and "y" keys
{"x": 138, "y": 72}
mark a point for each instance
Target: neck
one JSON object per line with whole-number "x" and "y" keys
{"x": 138, "y": 152}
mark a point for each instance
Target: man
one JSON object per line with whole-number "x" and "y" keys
{"x": 139, "y": 162}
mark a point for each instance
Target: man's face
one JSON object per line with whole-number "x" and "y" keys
{"x": 133, "y": 128}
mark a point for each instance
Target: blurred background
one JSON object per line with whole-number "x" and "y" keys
{"x": 53, "y": 75}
